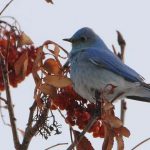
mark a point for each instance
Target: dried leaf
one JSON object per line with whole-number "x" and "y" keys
{"x": 25, "y": 39}
{"x": 84, "y": 144}
{"x": 52, "y": 66}
{"x": 108, "y": 106}
{"x": 48, "y": 90}
{"x": 37, "y": 64}
{"x": 56, "y": 51}
{"x": 120, "y": 142}
{"x": 125, "y": 132}
{"x": 115, "y": 122}
{"x": 21, "y": 65}
{"x": 57, "y": 81}
{"x": 109, "y": 138}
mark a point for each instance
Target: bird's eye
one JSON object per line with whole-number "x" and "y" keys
{"x": 83, "y": 38}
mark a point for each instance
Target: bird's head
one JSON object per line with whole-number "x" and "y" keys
{"x": 83, "y": 38}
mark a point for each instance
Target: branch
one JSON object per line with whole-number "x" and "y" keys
{"x": 31, "y": 131}
{"x": 140, "y": 143}
{"x": 9, "y": 101}
{"x": 6, "y": 6}
{"x": 90, "y": 123}
{"x": 122, "y": 45}
{"x": 56, "y": 145}
{"x": 4, "y": 100}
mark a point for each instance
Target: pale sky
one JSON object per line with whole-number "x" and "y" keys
{"x": 43, "y": 21}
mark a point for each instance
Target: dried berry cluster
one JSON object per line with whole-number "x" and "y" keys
{"x": 17, "y": 51}
{"x": 79, "y": 111}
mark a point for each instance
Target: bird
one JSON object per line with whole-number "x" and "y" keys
{"x": 95, "y": 68}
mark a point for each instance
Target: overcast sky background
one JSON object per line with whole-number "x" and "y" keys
{"x": 43, "y": 21}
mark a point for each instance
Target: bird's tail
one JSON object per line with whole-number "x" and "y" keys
{"x": 142, "y": 93}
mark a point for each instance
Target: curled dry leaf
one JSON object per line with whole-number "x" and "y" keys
{"x": 21, "y": 65}
{"x": 52, "y": 66}
{"x": 48, "y": 90}
{"x": 57, "y": 81}
{"x": 25, "y": 39}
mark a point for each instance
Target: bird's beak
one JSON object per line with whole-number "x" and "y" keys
{"x": 68, "y": 40}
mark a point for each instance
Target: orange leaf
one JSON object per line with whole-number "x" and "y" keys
{"x": 48, "y": 90}
{"x": 51, "y": 66}
{"x": 25, "y": 39}
{"x": 57, "y": 81}
{"x": 84, "y": 144}
{"x": 21, "y": 65}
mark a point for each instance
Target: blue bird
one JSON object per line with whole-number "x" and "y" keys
{"x": 95, "y": 68}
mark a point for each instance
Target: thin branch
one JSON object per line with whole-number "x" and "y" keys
{"x": 122, "y": 45}
{"x": 71, "y": 135}
{"x": 56, "y": 145}
{"x": 6, "y": 6}
{"x": 9, "y": 101}
{"x": 90, "y": 123}
{"x": 140, "y": 143}
{"x": 31, "y": 131}
{"x": 4, "y": 100}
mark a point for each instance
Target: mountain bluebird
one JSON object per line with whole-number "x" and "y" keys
{"x": 95, "y": 68}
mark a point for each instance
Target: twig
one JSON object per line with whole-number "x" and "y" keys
{"x": 6, "y": 6}
{"x": 2, "y": 116}
{"x": 56, "y": 145}
{"x": 31, "y": 131}
{"x": 122, "y": 45}
{"x": 71, "y": 136}
{"x": 70, "y": 127}
{"x": 4, "y": 100}
{"x": 9, "y": 101}
{"x": 76, "y": 141}
{"x": 140, "y": 143}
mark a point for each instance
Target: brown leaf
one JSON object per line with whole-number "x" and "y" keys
{"x": 56, "y": 51}
{"x": 25, "y": 39}
{"x": 57, "y": 81}
{"x": 21, "y": 65}
{"x": 120, "y": 142}
{"x": 84, "y": 144}
{"x": 115, "y": 122}
{"x": 108, "y": 106}
{"x": 48, "y": 90}
{"x": 109, "y": 138}
{"x": 52, "y": 66}
{"x": 37, "y": 64}
{"x": 125, "y": 132}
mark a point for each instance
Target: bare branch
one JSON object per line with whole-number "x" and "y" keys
{"x": 122, "y": 45}
{"x": 77, "y": 141}
{"x": 4, "y": 100}
{"x": 56, "y": 145}
{"x": 140, "y": 143}
{"x": 9, "y": 101}
{"x": 6, "y": 6}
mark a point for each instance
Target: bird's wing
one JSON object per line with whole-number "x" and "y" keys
{"x": 106, "y": 59}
